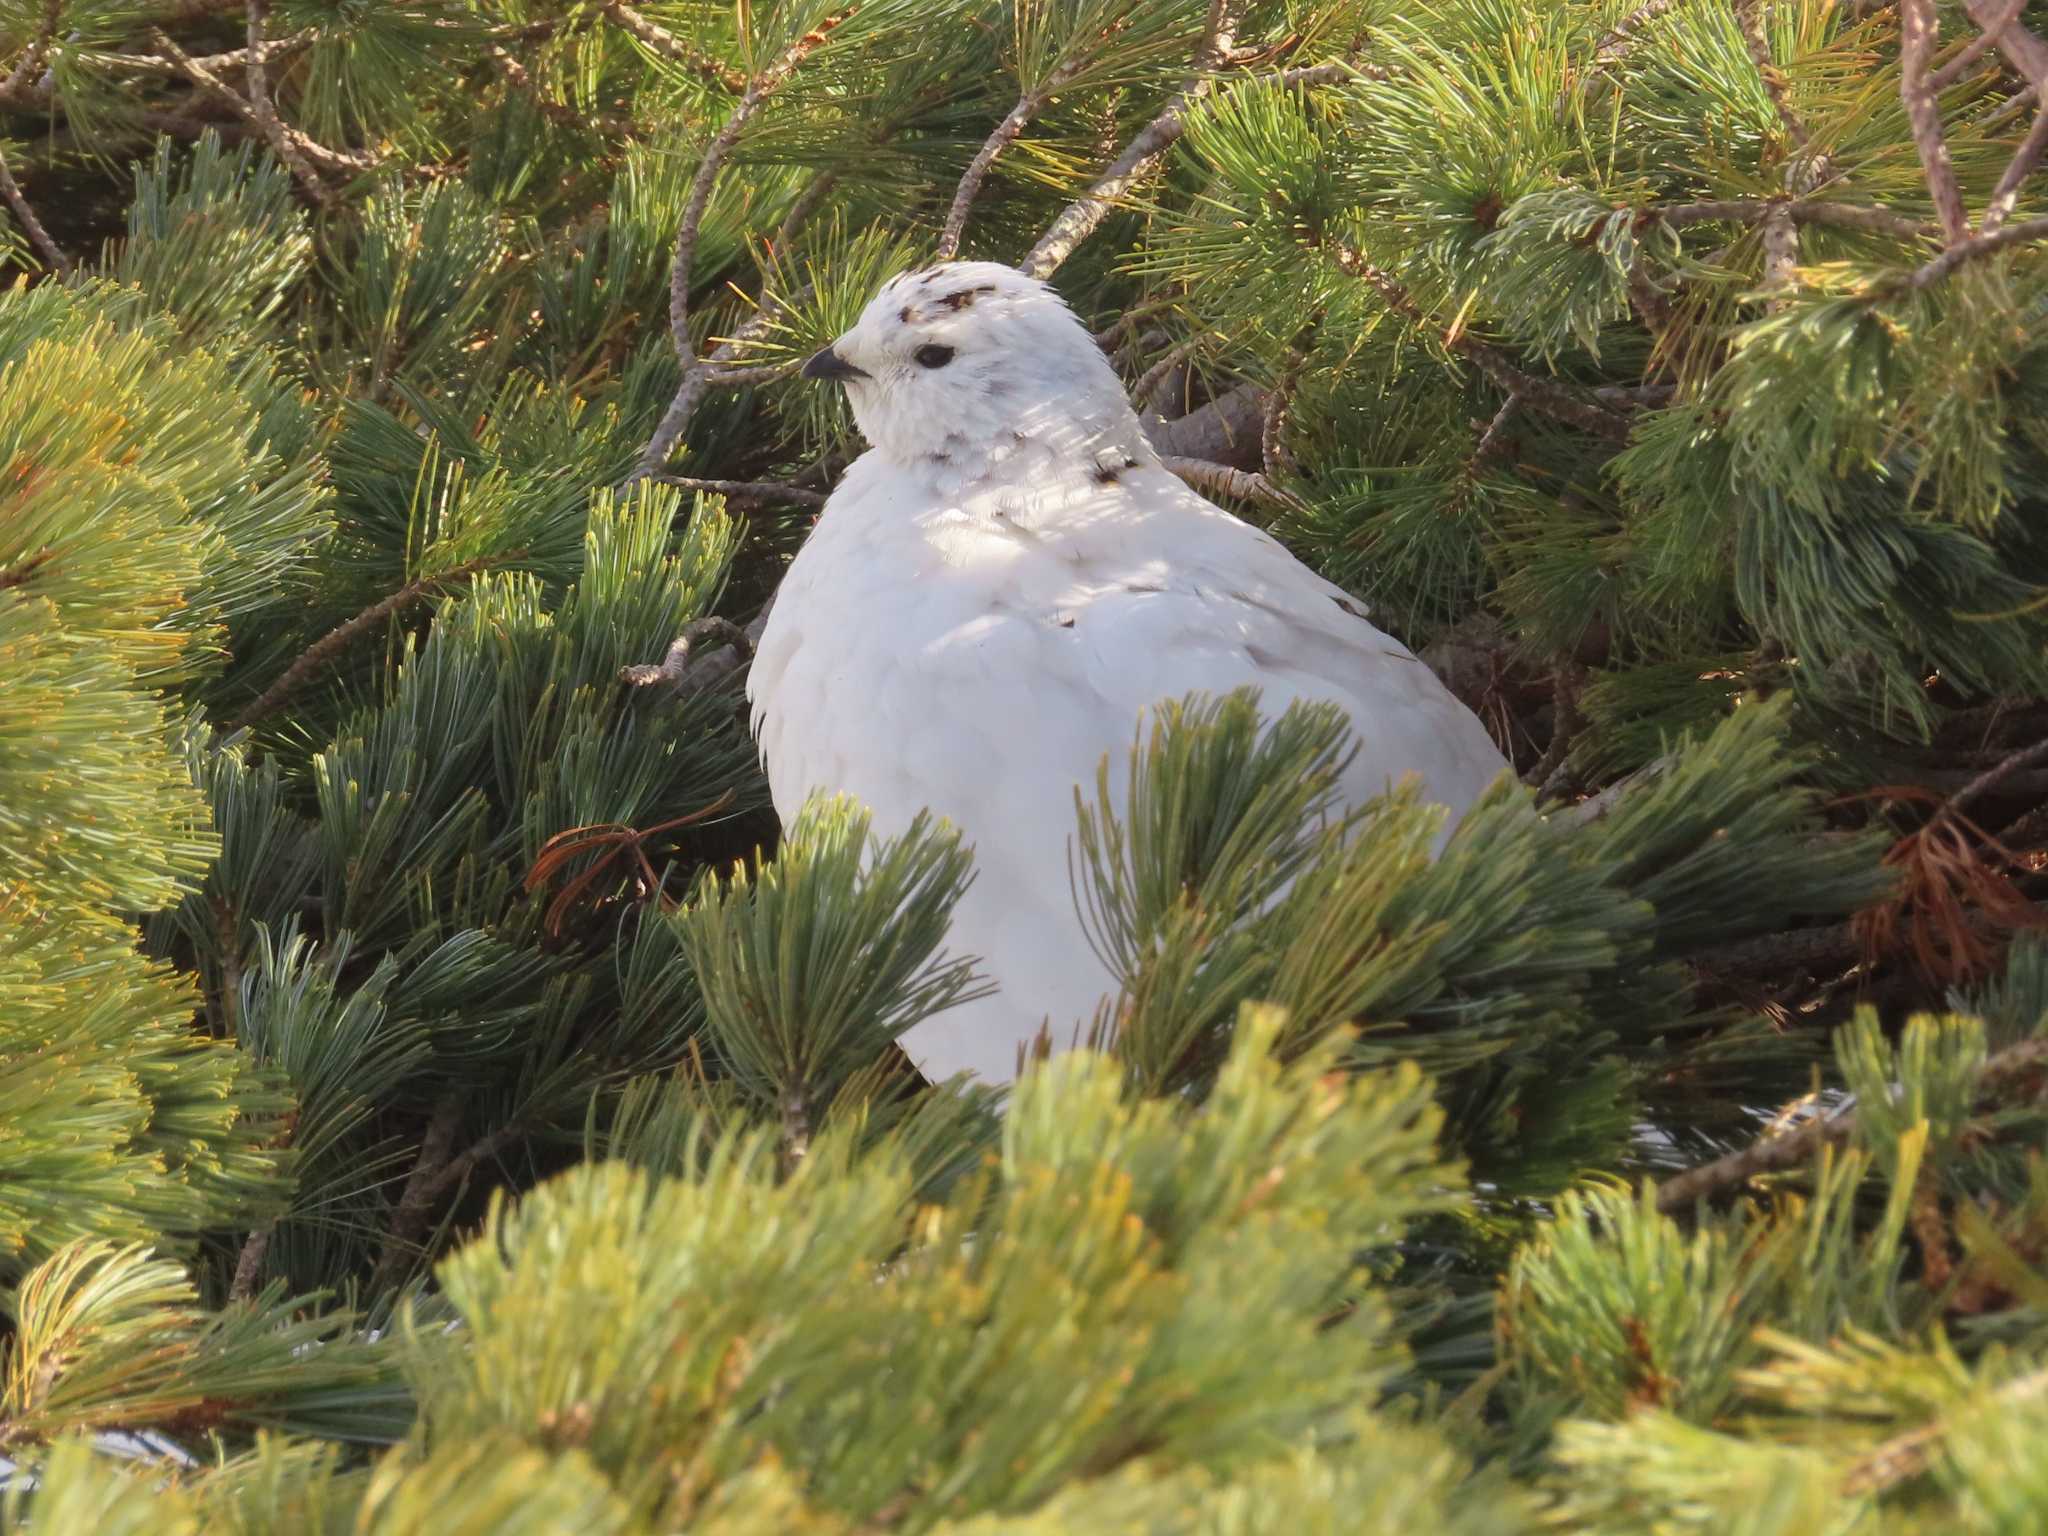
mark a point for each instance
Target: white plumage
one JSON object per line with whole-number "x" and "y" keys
{"x": 994, "y": 595}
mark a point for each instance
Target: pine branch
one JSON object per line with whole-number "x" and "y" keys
{"x": 1975, "y": 49}
{"x": 1749, "y": 19}
{"x": 2026, "y": 159}
{"x": 300, "y": 153}
{"x": 1965, "y": 251}
{"x": 1992, "y": 777}
{"x": 1789, "y": 1149}
{"x": 664, "y": 42}
{"x": 1082, "y": 217}
{"x": 1005, "y": 133}
{"x": 1742, "y": 210}
{"x": 2025, "y": 52}
{"x": 25, "y": 215}
{"x": 265, "y": 112}
{"x": 1623, "y": 39}
{"x": 1546, "y": 395}
{"x": 1919, "y": 31}
{"x": 1906, "y": 1456}
{"x": 676, "y": 419}
{"x": 30, "y": 64}
{"x": 322, "y": 652}
{"x": 214, "y": 64}
{"x": 1222, "y": 480}
{"x": 409, "y": 1218}
{"x": 249, "y": 1264}
{"x": 685, "y": 664}
{"x": 763, "y": 490}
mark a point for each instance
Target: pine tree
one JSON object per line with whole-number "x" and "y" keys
{"x": 436, "y": 1095}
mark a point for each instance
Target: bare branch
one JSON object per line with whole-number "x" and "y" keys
{"x": 409, "y": 1219}
{"x": 37, "y": 49}
{"x": 1749, "y": 18}
{"x": 1622, "y": 40}
{"x": 1082, "y": 217}
{"x": 664, "y": 42}
{"x": 699, "y": 374}
{"x": 1222, "y": 480}
{"x": 1975, "y": 49}
{"x": 2024, "y": 162}
{"x": 1155, "y": 378}
{"x": 1225, "y": 431}
{"x": 1787, "y": 1150}
{"x": 2025, "y": 52}
{"x": 1546, "y": 395}
{"x": 1005, "y": 133}
{"x": 1968, "y": 250}
{"x": 694, "y": 381}
{"x": 265, "y": 112}
{"x": 1744, "y": 210}
{"x": 25, "y": 215}
{"x": 690, "y": 667}
{"x": 214, "y": 64}
{"x": 322, "y": 652}
{"x": 1919, "y": 31}
{"x": 764, "y": 490}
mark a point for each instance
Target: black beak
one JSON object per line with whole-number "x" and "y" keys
{"x": 827, "y": 364}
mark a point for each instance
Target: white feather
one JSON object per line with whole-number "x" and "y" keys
{"x": 998, "y": 591}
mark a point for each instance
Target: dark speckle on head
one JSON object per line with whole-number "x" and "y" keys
{"x": 903, "y": 314}
{"x": 1067, "y": 622}
{"x": 962, "y": 298}
{"x": 1106, "y": 474}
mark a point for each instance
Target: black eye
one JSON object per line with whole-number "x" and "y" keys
{"x": 932, "y": 355}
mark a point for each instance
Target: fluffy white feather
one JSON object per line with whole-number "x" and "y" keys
{"x": 999, "y": 589}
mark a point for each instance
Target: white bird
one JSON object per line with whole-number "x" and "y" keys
{"x": 999, "y": 589}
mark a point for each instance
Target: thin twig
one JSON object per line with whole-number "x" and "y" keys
{"x": 765, "y": 490}
{"x": 265, "y": 111}
{"x": 691, "y": 389}
{"x": 1996, "y": 774}
{"x": 664, "y": 42}
{"x": 675, "y": 667}
{"x": 1005, "y": 133}
{"x": 1619, "y": 42}
{"x": 699, "y": 374}
{"x": 1082, "y": 217}
{"x": 1749, "y": 18}
{"x": 1777, "y": 1153}
{"x": 1966, "y": 250}
{"x": 1745, "y": 210}
{"x": 437, "y": 1148}
{"x": 37, "y": 49}
{"x": 214, "y": 64}
{"x": 796, "y": 1130}
{"x": 2025, "y": 52}
{"x": 1222, "y": 480}
{"x": 2024, "y": 161}
{"x": 25, "y": 215}
{"x": 322, "y": 652}
{"x": 1975, "y": 49}
{"x": 1908, "y": 1455}
{"x": 1546, "y": 395}
{"x": 249, "y": 1264}
{"x": 1919, "y": 32}
{"x": 1153, "y": 379}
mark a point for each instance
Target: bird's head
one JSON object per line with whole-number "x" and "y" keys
{"x": 961, "y": 363}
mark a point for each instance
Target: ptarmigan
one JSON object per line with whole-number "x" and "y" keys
{"x": 994, "y": 595}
